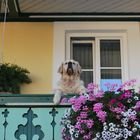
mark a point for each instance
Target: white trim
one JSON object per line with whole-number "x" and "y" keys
{"x": 97, "y": 61}
{"x": 84, "y": 16}
{"x": 111, "y": 68}
{"x": 96, "y": 50}
{"x": 94, "y": 62}
{"x": 124, "y": 69}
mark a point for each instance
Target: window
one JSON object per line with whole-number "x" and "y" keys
{"x": 82, "y": 51}
{"x": 99, "y": 58}
{"x": 110, "y": 62}
{"x": 94, "y": 36}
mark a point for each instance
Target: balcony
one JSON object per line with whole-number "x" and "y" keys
{"x": 30, "y": 117}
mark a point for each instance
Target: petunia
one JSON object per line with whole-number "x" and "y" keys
{"x": 97, "y": 107}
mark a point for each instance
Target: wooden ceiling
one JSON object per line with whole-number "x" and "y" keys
{"x": 70, "y": 10}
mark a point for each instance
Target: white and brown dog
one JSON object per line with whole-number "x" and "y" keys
{"x": 70, "y": 82}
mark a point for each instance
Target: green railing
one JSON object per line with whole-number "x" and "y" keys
{"x": 30, "y": 117}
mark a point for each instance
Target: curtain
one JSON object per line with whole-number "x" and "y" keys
{"x": 82, "y": 52}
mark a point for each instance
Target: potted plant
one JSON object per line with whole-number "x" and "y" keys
{"x": 103, "y": 115}
{"x": 11, "y": 77}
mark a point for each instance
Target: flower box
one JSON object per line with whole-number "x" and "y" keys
{"x": 103, "y": 115}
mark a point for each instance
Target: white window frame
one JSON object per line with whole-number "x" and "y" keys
{"x": 98, "y": 66}
{"x": 93, "y": 51}
{"x": 98, "y": 37}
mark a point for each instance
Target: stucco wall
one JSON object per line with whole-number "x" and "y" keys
{"x": 30, "y": 45}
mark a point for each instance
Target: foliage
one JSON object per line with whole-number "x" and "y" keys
{"x": 11, "y": 77}
{"x": 99, "y": 115}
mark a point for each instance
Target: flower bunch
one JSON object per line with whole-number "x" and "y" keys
{"x": 99, "y": 115}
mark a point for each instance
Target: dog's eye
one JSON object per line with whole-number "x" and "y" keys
{"x": 73, "y": 63}
{"x": 66, "y": 63}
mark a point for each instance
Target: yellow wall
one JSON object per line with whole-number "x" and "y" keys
{"x": 30, "y": 45}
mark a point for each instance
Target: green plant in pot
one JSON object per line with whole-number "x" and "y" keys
{"x": 12, "y": 76}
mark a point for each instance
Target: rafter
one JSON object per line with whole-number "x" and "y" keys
{"x": 0, "y": 5}
{"x": 12, "y": 9}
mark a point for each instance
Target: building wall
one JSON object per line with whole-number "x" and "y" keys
{"x": 35, "y": 46}
{"x": 30, "y": 45}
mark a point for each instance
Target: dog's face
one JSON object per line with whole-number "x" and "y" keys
{"x": 70, "y": 68}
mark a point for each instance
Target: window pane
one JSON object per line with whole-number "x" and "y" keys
{"x": 110, "y": 53}
{"x": 110, "y": 74}
{"x": 87, "y": 77}
{"x": 82, "y": 52}
{"x": 110, "y": 81}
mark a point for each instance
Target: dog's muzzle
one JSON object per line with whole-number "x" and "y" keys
{"x": 70, "y": 69}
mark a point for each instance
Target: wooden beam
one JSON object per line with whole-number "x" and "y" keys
{"x": 0, "y": 5}
{"x": 12, "y": 9}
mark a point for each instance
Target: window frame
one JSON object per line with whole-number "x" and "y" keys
{"x": 96, "y": 47}
{"x": 93, "y": 52}
{"x": 126, "y": 30}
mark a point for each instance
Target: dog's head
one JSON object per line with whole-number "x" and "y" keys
{"x": 70, "y": 68}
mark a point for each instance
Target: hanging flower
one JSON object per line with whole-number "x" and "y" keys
{"x": 98, "y": 115}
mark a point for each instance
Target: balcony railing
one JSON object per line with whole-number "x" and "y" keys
{"x": 30, "y": 117}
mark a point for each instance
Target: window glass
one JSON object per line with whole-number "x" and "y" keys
{"x": 82, "y": 52}
{"x": 110, "y": 53}
{"x": 110, "y": 61}
{"x": 87, "y": 77}
{"x": 110, "y": 73}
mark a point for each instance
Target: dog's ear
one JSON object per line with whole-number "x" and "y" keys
{"x": 78, "y": 68}
{"x": 60, "y": 69}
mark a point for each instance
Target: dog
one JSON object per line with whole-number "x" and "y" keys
{"x": 70, "y": 82}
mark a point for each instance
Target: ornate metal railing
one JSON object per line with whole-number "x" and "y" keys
{"x": 30, "y": 117}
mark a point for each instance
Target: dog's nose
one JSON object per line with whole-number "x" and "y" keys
{"x": 69, "y": 65}
{"x": 70, "y": 69}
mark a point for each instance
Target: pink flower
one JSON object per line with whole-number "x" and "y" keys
{"x": 122, "y": 97}
{"x": 112, "y": 101}
{"x": 82, "y": 99}
{"x": 97, "y": 107}
{"x": 78, "y": 126}
{"x": 118, "y": 110}
{"x": 76, "y": 107}
{"x": 91, "y": 97}
{"x": 83, "y": 114}
{"x": 120, "y": 105}
{"x": 113, "y": 87}
{"x": 128, "y": 94}
{"x": 107, "y": 85}
{"x": 78, "y": 118}
{"x": 131, "y": 82}
{"x": 64, "y": 100}
{"x": 91, "y": 87}
{"x": 102, "y": 116}
{"x": 100, "y": 94}
{"x": 139, "y": 91}
{"x": 85, "y": 108}
{"x": 72, "y": 100}
{"x": 90, "y": 123}
{"x": 127, "y": 84}
{"x": 137, "y": 106}
{"x": 125, "y": 95}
